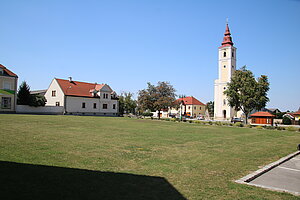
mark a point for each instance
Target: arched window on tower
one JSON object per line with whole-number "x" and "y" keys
{"x": 224, "y": 102}
{"x": 224, "y": 66}
{"x": 232, "y": 54}
{"x": 224, "y": 54}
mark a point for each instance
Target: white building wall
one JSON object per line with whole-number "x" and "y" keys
{"x": 51, "y": 100}
{"x": 225, "y": 74}
{"x": 25, "y": 109}
{"x": 74, "y": 106}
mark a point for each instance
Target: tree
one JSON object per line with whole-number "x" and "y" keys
{"x": 286, "y": 121}
{"x": 37, "y": 100}
{"x": 245, "y": 93}
{"x": 157, "y": 98}
{"x": 23, "y": 96}
{"x": 210, "y": 108}
{"x": 126, "y": 103}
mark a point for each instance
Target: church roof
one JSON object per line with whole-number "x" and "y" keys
{"x": 227, "y": 40}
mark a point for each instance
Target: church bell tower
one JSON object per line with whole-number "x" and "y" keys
{"x": 227, "y": 66}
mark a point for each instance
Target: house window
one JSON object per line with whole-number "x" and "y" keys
{"x": 106, "y": 96}
{"x": 57, "y": 103}
{"x": 83, "y": 105}
{"x": 95, "y": 105}
{"x": 7, "y": 85}
{"x": 103, "y": 96}
{"x": 189, "y": 107}
{"x": 104, "y": 106}
{"x": 54, "y": 93}
{"x": 114, "y": 106}
{"x": 6, "y": 102}
{"x": 195, "y": 107}
{"x": 200, "y": 107}
{"x": 224, "y": 102}
{"x": 224, "y": 54}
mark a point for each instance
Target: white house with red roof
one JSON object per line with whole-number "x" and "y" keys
{"x": 8, "y": 90}
{"x": 189, "y": 106}
{"x": 81, "y": 98}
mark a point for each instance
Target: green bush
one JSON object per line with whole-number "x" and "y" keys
{"x": 147, "y": 114}
{"x": 248, "y": 126}
{"x": 238, "y": 124}
{"x": 286, "y": 121}
{"x": 173, "y": 119}
{"x": 210, "y": 122}
{"x": 225, "y": 124}
{"x": 270, "y": 127}
{"x": 291, "y": 128}
{"x": 218, "y": 123}
{"x": 280, "y": 128}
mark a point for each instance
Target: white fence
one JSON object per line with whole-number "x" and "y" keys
{"x": 54, "y": 110}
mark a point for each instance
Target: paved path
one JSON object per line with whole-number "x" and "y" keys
{"x": 285, "y": 177}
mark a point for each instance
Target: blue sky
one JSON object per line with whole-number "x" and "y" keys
{"x": 128, "y": 43}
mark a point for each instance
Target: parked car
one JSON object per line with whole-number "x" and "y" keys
{"x": 200, "y": 117}
{"x": 236, "y": 119}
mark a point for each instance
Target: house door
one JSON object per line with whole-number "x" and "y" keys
{"x": 224, "y": 114}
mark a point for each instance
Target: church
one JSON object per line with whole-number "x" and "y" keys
{"x": 226, "y": 68}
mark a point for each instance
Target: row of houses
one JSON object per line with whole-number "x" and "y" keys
{"x": 81, "y": 98}
{"x": 63, "y": 97}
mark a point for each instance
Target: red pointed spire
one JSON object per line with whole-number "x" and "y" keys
{"x": 227, "y": 41}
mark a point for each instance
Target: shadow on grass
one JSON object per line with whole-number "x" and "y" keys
{"x": 27, "y": 181}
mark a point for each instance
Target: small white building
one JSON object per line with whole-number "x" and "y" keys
{"x": 80, "y": 98}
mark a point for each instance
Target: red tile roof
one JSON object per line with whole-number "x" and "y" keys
{"x": 296, "y": 113}
{"x": 190, "y": 101}
{"x": 8, "y": 72}
{"x": 76, "y": 88}
{"x": 262, "y": 114}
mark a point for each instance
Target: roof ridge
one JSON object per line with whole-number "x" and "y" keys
{"x": 80, "y": 81}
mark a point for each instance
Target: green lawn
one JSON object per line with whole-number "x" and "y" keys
{"x": 122, "y": 158}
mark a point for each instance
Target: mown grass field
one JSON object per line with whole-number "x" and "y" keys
{"x": 122, "y": 158}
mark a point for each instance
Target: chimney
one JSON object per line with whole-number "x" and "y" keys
{"x": 70, "y": 79}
